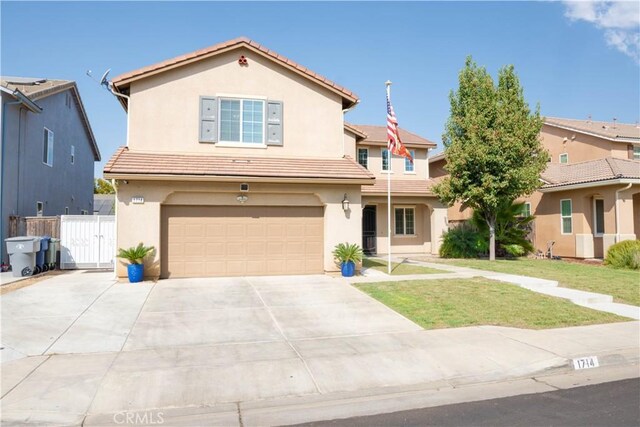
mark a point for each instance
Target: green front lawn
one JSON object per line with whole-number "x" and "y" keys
{"x": 452, "y": 303}
{"x": 624, "y": 285}
{"x": 398, "y": 268}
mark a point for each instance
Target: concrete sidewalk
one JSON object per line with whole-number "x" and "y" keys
{"x": 83, "y": 349}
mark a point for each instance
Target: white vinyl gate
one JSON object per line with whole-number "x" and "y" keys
{"x": 87, "y": 241}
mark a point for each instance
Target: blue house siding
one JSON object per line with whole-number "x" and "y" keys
{"x": 26, "y": 179}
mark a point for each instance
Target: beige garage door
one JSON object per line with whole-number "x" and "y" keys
{"x": 206, "y": 241}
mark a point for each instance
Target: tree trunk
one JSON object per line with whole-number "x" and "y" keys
{"x": 492, "y": 239}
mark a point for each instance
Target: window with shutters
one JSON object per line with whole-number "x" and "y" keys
{"x": 240, "y": 122}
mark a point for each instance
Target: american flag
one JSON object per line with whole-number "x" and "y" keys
{"x": 395, "y": 145}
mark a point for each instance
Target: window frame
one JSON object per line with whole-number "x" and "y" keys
{"x": 404, "y": 221}
{"x": 596, "y": 232}
{"x": 413, "y": 165}
{"x": 73, "y": 154}
{"x": 222, "y": 142}
{"x": 636, "y": 152}
{"x": 526, "y": 210}
{"x": 566, "y": 155}
{"x": 570, "y": 217}
{"x": 66, "y": 210}
{"x": 48, "y": 147}
{"x": 39, "y": 209}
{"x": 366, "y": 166}
{"x": 389, "y": 163}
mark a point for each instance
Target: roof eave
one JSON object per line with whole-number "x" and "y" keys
{"x": 597, "y": 135}
{"x": 600, "y": 183}
{"x": 236, "y": 178}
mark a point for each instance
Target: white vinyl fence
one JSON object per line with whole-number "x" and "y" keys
{"x": 87, "y": 241}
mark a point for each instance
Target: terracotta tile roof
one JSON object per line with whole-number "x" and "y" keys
{"x": 404, "y": 186}
{"x": 609, "y": 168}
{"x": 126, "y": 162}
{"x": 378, "y": 134}
{"x": 361, "y": 135}
{"x": 38, "y": 88}
{"x": 607, "y": 130}
{"x": 232, "y": 44}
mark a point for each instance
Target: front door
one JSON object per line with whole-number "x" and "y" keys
{"x": 369, "y": 230}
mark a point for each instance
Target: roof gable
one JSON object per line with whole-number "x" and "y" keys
{"x": 122, "y": 81}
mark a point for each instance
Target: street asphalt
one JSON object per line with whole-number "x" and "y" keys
{"x": 609, "y": 404}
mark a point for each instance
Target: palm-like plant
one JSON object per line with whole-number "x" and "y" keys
{"x": 345, "y": 252}
{"x": 135, "y": 254}
{"x": 512, "y": 229}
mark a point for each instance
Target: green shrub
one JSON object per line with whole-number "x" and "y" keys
{"x": 512, "y": 230}
{"x": 463, "y": 241}
{"x": 625, "y": 254}
{"x": 345, "y": 252}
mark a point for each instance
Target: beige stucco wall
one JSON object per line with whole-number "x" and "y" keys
{"x": 436, "y": 168}
{"x": 164, "y": 108}
{"x": 420, "y": 163}
{"x": 429, "y": 224}
{"x": 581, "y": 148}
{"x": 350, "y": 145}
{"x": 142, "y": 222}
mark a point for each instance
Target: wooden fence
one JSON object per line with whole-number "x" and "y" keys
{"x": 34, "y": 226}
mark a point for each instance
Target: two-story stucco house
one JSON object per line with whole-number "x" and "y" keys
{"x": 590, "y": 193}
{"x": 48, "y": 150}
{"x": 239, "y": 162}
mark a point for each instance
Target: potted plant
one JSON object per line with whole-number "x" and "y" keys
{"x": 347, "y": 255}
{"x": 135, "y": 255}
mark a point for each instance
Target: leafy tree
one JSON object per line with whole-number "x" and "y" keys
{"x": 102, "y": 186}
{"x": 492, "y": 146}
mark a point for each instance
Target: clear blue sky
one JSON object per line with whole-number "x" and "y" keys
{"x": 567, "y": 65}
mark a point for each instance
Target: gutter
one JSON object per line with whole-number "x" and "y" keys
{"x": 618, "y": 210}
{"x": 210, "y": 178}
{"x": 614, "y": 181}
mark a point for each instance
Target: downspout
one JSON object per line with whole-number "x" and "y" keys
{"x": 4, "y": 112}
{"x": 618, "y": 211}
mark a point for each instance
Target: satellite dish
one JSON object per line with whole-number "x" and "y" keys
{"x": 103, "y": 80}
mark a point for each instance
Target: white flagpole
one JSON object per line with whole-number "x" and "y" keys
{"x": 388, "y": 84}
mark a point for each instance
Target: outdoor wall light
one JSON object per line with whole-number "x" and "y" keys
{"x": 345, "y": 203}
{"x": 242, "y": 198}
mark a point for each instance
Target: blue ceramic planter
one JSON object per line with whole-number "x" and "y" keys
{"x": 135, "y": 272}
{"x": 348, "y": 269}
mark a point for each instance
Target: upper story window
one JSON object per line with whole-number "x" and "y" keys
{"x": 47, "y": 148}
{"x": 636, "y": 152}
{"x": 242, "y": 120}
{"x": 564, "y": 158}
{"x": 363, "y": 157}
{"x": 409, "y": 166}
{"x": 386, "y": 163}
{"x": 73, "y": 154}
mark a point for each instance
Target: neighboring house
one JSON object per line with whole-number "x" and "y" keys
{"x": 235, "y": 165}
{"x": 104, "y": 204}
{"x": 417, "y": 217}
{"x": 48, "y": 150}
{"x": 590, "y": 197}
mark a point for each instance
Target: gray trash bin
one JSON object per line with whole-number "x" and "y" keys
{"x": 22, "y": 254}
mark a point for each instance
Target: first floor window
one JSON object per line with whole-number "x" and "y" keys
{"x": 566, "y": 218}
{"x": 405, "y": 221}
{"x": 386, "y": 165}
{"x": 242, "y": 120}
{"x": 47, "y": 148}
{"x": 526, "y": 209}
{"x": 408, "y": 165}
{"x": 363, "y": 157}
{"x": 598, "y": 216}
{"x": 564, "y": 158}
{"x": 636, "y": 152}
{"x": 84, "y": 212}
{"x": 39, "y": 208}
{"x": 66, "y": 210}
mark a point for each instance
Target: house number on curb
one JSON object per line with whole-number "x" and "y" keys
{"x": 585, "y": 362}
{"x": 137, "y": 200}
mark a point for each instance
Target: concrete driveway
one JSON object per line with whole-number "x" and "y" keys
{"x": 82, "y": 348}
